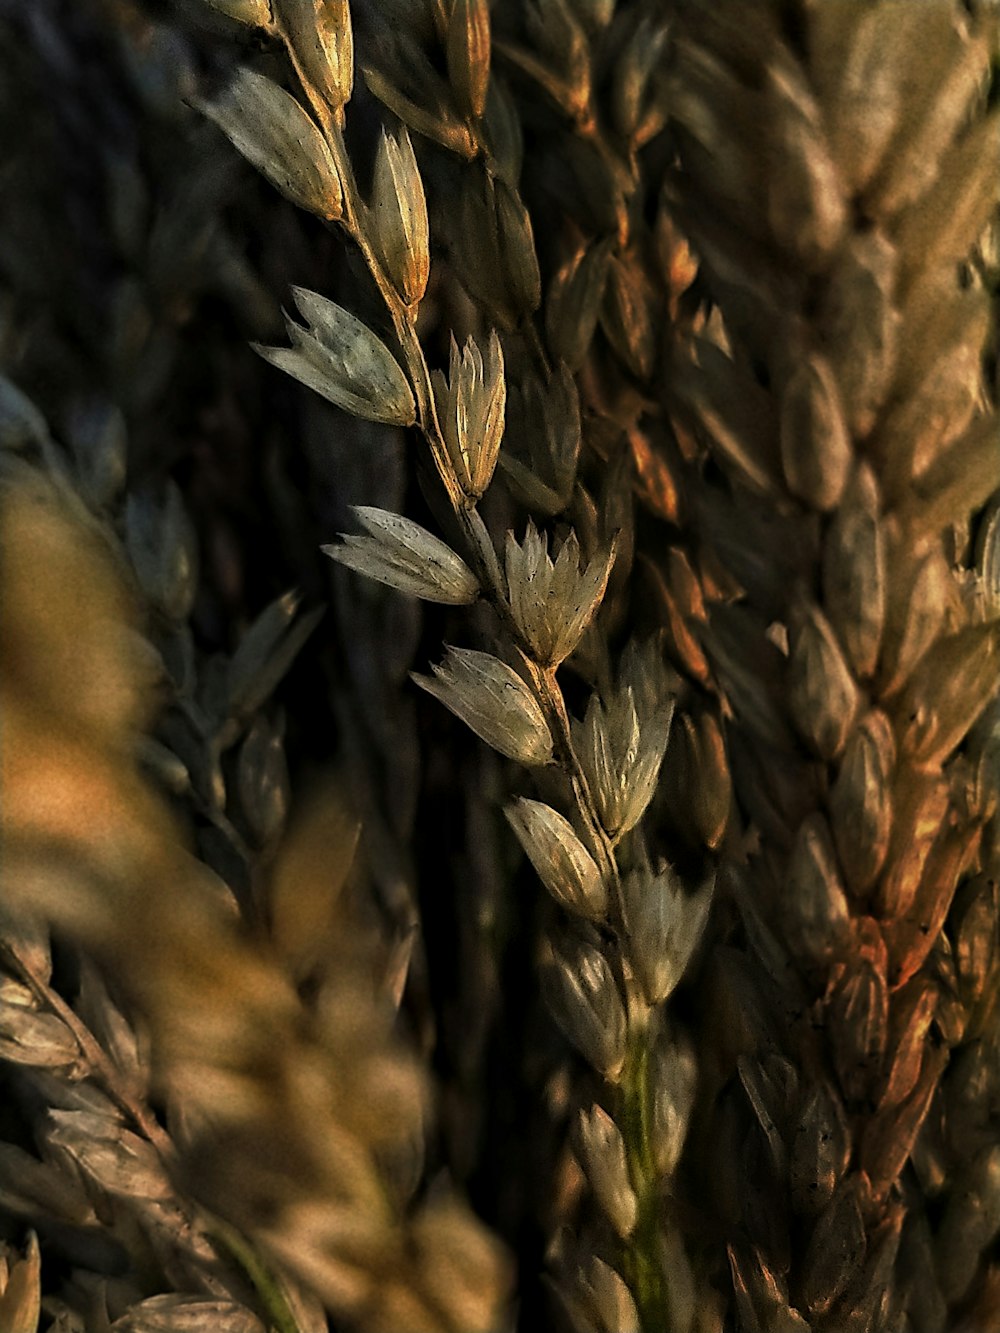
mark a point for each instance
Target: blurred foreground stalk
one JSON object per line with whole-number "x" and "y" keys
{"x": 294, "y": 1122}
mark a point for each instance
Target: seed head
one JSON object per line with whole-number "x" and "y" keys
{"x": 815, "y": 444}
{"x": 823, "y": 695}
{"x": 835, "y": 1250}
{"x": 609, "y": 1301}
{"x": 858, "y": 1017}
{"x": 854, "y": 583}
{"x": 673, "y": 1083}
{"x": 516, "y": 239}
{"x": 820, "y": 1148}
{"x": 573, "y": 302}
{"x": 545, "y": 420}
{"x": 861, "y": 801}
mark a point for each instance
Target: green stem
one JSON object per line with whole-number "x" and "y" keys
{"x": 268, "y": 1288}
{"x": 641, "y": 1259}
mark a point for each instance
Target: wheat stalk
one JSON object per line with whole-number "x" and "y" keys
{"x": 603, "y": 991}
{"x": 842, "y": 400}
